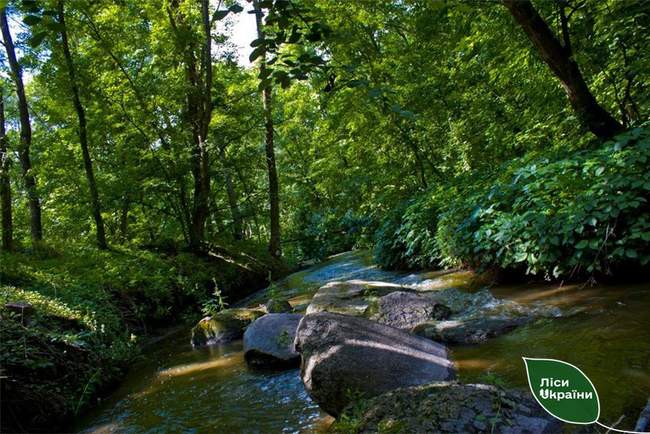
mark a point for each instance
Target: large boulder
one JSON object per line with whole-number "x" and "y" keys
{"x": 470, "y": 330}
{"x": 451, "y": 408}
{"x": 225, "y": 326}
{"x": 350, "y": 297}
{"x": 405, "y": 310}
{"x": 344, "y": 357}
{"x": 268, "y": 342}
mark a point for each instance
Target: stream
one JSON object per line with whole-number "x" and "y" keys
{"x": 601, "y": 329}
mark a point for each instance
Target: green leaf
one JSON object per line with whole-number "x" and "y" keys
{"x": 295, "y": 35}
{"x": 220, "y": 15}
{"x": 563, "y": 390}
{"x": 257, "y": 52}
{"x": 582, "y": 244}
{"x": 235, "y": 8}
{"x": 32, "y": 20}
{"x": 36, "y": 39}
{"x": 631, "y": 253}
{"x": 257, "y": 42}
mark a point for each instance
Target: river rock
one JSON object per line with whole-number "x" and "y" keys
{"x": 405, "y": 310}
{"x": 268, "y": 341}
{"x": 344, "y": 357}
{"x": 350, "y": 297}
{"x": 227, "y": 325}
{"x": 469, "y": 330}
{"x": 453, "y": 408}
{"x": 278, "y": 306}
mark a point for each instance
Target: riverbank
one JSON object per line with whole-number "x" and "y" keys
{"x": 562, "y": 216}
{"x": 210, "y": 388}
{"x": 74, "y": 318}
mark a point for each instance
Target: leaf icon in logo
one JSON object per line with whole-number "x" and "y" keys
{"x": 563, "y": 390}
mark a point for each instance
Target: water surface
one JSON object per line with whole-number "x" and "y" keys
{"x": 601, "y": 329}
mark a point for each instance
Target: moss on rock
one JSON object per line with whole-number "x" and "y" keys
{"x": 225, "y": 326}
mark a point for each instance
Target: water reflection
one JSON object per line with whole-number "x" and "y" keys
{"x": 601, "y": 329}
{"x": 210, "y": 390}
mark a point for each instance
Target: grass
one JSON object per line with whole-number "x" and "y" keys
{"x": 90, "y": 310}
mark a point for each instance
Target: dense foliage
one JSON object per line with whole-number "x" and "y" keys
{"x": 91, "y": 309}
{"x": 440, "y": 133}
{"x": 554, "y": 216}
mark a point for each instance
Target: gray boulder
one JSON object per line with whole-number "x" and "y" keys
{"x": 405, "y": 310}
{"x": 225, "y": 326}
{"x": 344, "y": 357}
{"x": 469, "y": 330}
{"x": 268, "y": 342}
{"x": 453, "y": 408}
{"x": 350, "y": 297}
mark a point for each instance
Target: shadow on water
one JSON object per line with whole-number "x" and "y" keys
{"x": 602, "y": 329}
{"x": 208, "y": 390}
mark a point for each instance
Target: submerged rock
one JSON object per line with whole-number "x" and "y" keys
{"x": 470, "y": 330}
{"x": 344, "y": 357}
{"x": 448, "y": 315}
{"x": 268, "y": 342}
{"x": 405, "y": 310}
{"x": 278, "y": 306}
{"x": 350, "y": 297}
{"x": 468, "y": 303}
{"x": 453, "y": 408}
{"x": 225, "y": 326}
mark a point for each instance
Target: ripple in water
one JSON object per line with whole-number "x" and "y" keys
{"x": 209, "y": 390}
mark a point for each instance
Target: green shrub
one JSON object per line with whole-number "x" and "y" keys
{"x": 581, "y": 214}
{"x": 406, "y": 239}
{"x": 320, "y": 234}
{"x": 90, "y": 306}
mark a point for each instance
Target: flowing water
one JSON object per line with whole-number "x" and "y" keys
{"x": 601, "y": 329}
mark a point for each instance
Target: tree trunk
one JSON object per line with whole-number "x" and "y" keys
{"x": 5, "y": 185}
{"x": 124, "y": 218}
{"x": 199, "y": 114}
{"x": 29, "y": 179}
{"x": 274, "y": 194}
{"x": 83, "y": 134}
{"x": 237, "y": 223}
{"x": 591, "y": 114}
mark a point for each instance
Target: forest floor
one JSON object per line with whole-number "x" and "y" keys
{"x": 74, "y": 318}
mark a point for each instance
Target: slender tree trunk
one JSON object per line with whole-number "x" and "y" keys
{"x": 237, "y": 224}
{"x": 558, "y": 58}
{"x": 124, "y": 218}
{"x": 274, "y": 195}
{"x": 29, "y": 179}
{"x": 199, "y": 114}
{"x": 83, "y": 133}
{"x": 5, "y": 185}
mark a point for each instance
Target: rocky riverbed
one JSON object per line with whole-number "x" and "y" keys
{"x": 397, "y": 351}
